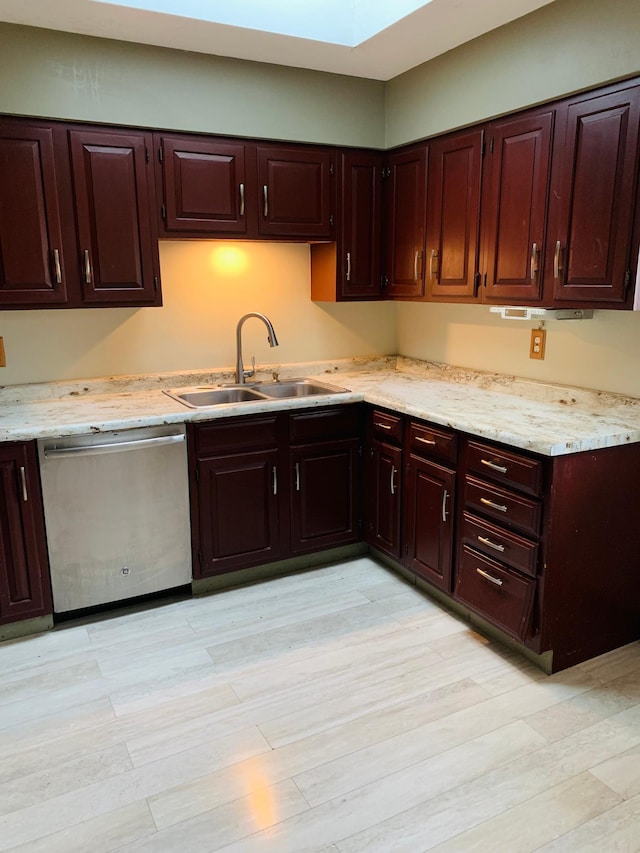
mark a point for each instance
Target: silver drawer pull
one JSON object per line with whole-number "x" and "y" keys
{"x": 534, "y": 261}
{"x": 23, "y": 478}
{"x": 500, "y": 468}
{"x": 275, "y": 480}
{"x": 394, "y": 471}
{"x": 425, "y": 440}
{"x": 56, "y": 265}
{"x": 241, "y": 199}
{"x": 489, "y": 577}
{"x": 297, "y": 476}
{"x": 499, "y": 507}
{"x": 87, "y": 267}
{"x": 348, "y": 275}
{"x": 490, "y": 544}
{"x": 432, "y": 264}
{"x": 556, "y": 260}
{"x": 445, "y": 496}
{"x": 265, "y": 201}
{"x": 382, "y": 426}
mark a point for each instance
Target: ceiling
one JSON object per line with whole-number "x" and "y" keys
{"x": 378, "y": 39}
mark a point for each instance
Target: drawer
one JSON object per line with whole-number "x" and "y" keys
{"x": 507, "y": 507}
{"x": 510, "y": 469}
{"x": 501, "y": 596}
{"x": 325, "y": 424}
{"x": 425, "y": 440}
{"x": 503, "y": 545}
{"x": 386, "y": 426}
{"x": 235, "y": 433}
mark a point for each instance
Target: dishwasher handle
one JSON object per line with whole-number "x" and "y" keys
{"x": 113, "y": 447}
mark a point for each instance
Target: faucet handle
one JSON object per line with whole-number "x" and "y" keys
{"x": 252, "y": 372}
{"x": 275, "y": 376}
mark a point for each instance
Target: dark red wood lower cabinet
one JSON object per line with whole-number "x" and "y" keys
{"x": 25, "y": 590}
{"x": 384, "y": 493}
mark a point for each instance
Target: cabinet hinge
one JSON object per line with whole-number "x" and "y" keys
{"x": 197, "y": 475}
{"x": 160, "y": 154}
{"x": 491, "y": 146}
{"x": 627, "y": 281}
{"x": 384, "y": 282}
{"x": 331, "y": 219}
{"x": 146, "y": 154}
{"x": 331, "y": 168}
{"x": 163, "y": 211}
{"x": 155, "y": 283}
{"x": 386, "y": 171}
{"x": 484, "y": 280}
{"x": 359, "y": 450}
{"x": 406, "y": 550}
{"x": 477, "y": 281}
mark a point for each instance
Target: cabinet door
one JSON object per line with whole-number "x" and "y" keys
{"x": 204, "y": 185}
{"x": 238, "y": 511}
{"x": 405, "y": 215}
{"x": 514, "y": 215}
{"x": 32, "y": 259}
{"x": 25, "y": 590}
{"x": 324, "y": 495}
{"x": 429, "y": 508}
{"x": 361, "y": 225}
{"x": 295, "y": 192}
{"x": 591, "y": 216}
{"x": 455, "y": 169}
{"x": 113, "y": 194}
{"x": 384, "y": 490}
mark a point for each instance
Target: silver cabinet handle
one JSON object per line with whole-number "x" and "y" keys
{"x": 490, "y": 544}
{"x": 417, "y": 257}
{"x": 489, "y": 577}
{"x": 275, "y": 480}
{"x": 445, "y": 496}
{"x": 433, "y": 272}
{"x": 534, "y": 261}
{"x": 382, "y": 426}
{"x": 112, "y": 447}
{"x": 265, "y": 197}
{"x": 56, "y": 265}
{"x": 556, "y": 260}
{"x": 499, "y": 507}
{"x": 241, "y": 199}
{"x": 87, "y": 267}
{"x": 348, "y": 266}
{"x": 425, "y": 440}
{"x": 394, "y": 471}
{"x": 500, "y": 468}
{"x": 23, "y": 478}
{"x": 297, "y": 476}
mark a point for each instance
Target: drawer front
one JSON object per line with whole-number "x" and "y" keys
{"x": 506, "y": 507}
{"x": 235, "y": 433}
{"x": 509, "y": 469}
{"x": 386, "y": 427}
{"x": 501, "y": 544}
{"x": 425, "y": 440}
{"x": 324, "y": 424}
{"x": 500, "y": 595}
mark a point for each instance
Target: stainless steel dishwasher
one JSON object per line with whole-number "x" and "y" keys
{"x": 116, "y": 508}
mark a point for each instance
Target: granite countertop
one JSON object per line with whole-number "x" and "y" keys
{"x": 544, "y": 418}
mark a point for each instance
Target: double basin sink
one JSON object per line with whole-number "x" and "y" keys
{"x": 199, "y": 398}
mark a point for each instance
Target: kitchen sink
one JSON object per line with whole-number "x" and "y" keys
{"x": 201, "y": 398}
{"x": 298, "y": 388}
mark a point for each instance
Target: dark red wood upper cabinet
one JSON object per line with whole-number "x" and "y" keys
{"x": 204, "y": 185}
{"x": 113, "y": 187}
{"x": 33, "y": 263}
{"x": 453, "y": 217}
{"x": 592, "y": 201}
{"x": 25, "y": 591}
{"x": 405, "y": 196}
{"x": 361, "y": 224}
{"x": 296, "y": 191}
{"x": 515, "y": 207}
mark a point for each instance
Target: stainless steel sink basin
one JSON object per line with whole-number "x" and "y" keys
{"x": 298, "y": 388}
{"x": 198, "y": 398}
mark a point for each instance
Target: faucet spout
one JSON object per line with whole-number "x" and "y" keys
{"x": 241, "y": 373}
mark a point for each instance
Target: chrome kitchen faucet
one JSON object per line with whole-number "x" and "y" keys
{"x": 241, "y": 373}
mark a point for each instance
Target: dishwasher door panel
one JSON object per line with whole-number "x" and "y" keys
{"x": 117, "y": 518}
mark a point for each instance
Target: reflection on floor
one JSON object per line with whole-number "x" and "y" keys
{"x": 334, "y": 710}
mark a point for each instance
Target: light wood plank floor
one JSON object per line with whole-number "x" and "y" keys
{"x": 338, "y": 709}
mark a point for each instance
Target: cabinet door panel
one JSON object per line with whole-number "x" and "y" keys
{"x": 118, "y": 255}
{"x": 361, "y": 224}
{"x": 405, "y": 215}
{"x": 455, "y": 168}
{"x": 593, "y": 198}
{"x": 430, "y": 495}
{"x": 32, "y": 262}
{"x": 516, "y": 208}
{"x": 295, "y": 192}
{"x": 204, "y": 185}
{"x": 384, "y": 498}
{"x": 238, "y": 511}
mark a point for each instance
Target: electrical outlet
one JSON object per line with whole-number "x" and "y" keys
{"x": 538, "y": 341}
{"x": 3, "y": 358}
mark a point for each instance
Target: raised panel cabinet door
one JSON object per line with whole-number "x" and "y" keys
{"x": 25, "y": 590}
{"x": 384, "y": 497}
{"x": 591, "y": 219}
{"x": 514, "y": 216}
{"x": 453, "y": 218}
{"x": 324, "y": 495}
{"x": 113, "y": 189}
{"x": 204, "y": 185}
{"x": 295, "y": 192}
{"x": 361, "y": 224}
{"x": 405, "y": 218}
{"x": 238, "y": 511}
{"x": 429, "y": 508}
{"x": 32, "y": 258}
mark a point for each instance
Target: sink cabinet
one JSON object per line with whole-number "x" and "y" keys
{"x": 25, "y": 591}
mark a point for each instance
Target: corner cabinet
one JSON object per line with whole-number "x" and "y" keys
{"x": 25, "y": 590}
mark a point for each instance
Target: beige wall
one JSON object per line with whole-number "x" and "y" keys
{"x": 54, "y": 74}
{"x": 207, "y": 286}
